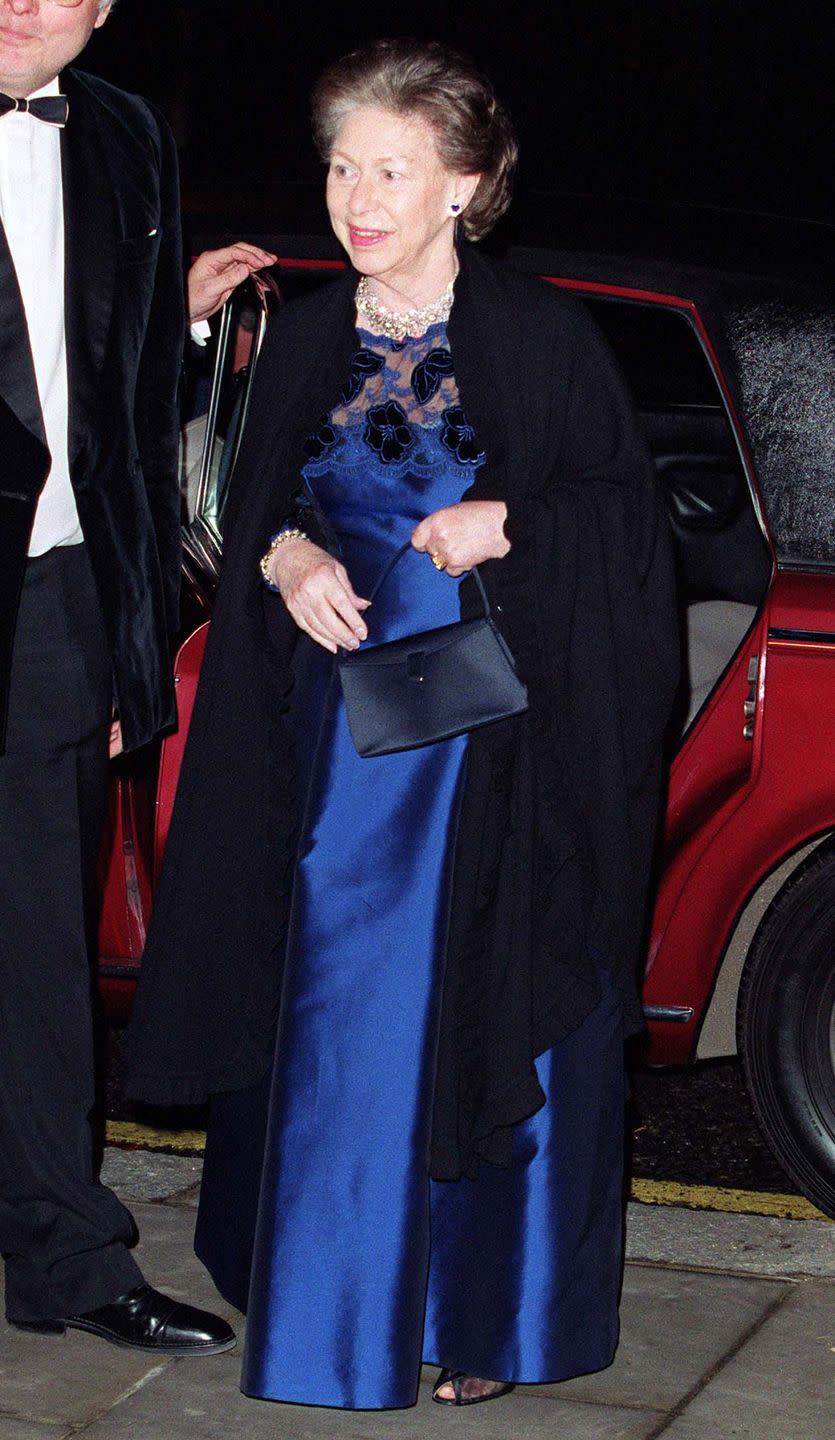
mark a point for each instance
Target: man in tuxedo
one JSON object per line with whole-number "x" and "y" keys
{"x": 91, "y": 336}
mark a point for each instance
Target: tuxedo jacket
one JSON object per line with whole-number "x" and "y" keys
{"x": 123, "y": 302}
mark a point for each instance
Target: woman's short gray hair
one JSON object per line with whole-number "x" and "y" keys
{"x": 472, "y": 129}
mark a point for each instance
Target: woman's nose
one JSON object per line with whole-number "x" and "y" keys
{"x": 362, "y": 196}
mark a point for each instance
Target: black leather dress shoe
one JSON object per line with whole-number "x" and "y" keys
{"x": 146, "y": 1320}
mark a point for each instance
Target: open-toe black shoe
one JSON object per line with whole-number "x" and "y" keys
{"x": 455, "y": 1377}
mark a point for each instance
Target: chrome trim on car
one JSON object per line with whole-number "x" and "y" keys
{"x": 803, "y": 637}
{"x": 673, "y": 1014}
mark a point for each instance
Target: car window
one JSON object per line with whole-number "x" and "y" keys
{"x": 783, "y": 350}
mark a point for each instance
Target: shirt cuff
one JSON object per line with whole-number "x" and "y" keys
{"x": 201, "y": 331}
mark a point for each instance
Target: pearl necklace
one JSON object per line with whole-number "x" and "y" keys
{"x": 397, "y": 325}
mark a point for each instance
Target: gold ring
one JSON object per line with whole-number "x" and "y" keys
{"x": 437, "y": 561}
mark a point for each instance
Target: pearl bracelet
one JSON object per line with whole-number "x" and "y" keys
{"x": 275, "y": 541}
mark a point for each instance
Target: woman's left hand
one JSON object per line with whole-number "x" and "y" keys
{"x": 463, "y": 535}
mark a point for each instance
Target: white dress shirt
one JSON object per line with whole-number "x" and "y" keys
{"x": 32, "y": 210}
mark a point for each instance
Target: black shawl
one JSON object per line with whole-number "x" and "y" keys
{"x": 559, "y": 806}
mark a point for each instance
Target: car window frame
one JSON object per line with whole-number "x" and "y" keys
{"x": 202, "y": 536}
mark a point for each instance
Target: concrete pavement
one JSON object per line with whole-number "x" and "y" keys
{"x": 728, "y": 1334}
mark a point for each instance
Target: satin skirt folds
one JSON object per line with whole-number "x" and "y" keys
{"x": 526, "y": 1263}
{"x": 336, "y": 1301}
{"x": 516, "y": 1276}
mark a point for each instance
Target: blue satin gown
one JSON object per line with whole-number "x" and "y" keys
{"x": 361, "y": 1266}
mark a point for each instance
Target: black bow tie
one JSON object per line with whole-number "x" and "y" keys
{"x": 51, "y": 108}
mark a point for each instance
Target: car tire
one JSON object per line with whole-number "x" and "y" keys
{"x": 786, "y": 1027}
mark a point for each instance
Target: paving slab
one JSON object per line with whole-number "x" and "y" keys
{"x": 675, "y": 1327}
{"x": 780, "y": 1385}
{"x": 714, "y": 1240}
{"x": 13, "y": 1429}
{"x": 185, "y": 1403}
{"x": 64, "y": 1379}
{"x": 187, "y": 1199}
{"x": 148, "y": 1175}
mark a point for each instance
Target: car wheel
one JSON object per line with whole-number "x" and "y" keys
{"x": 786, "y": 1027}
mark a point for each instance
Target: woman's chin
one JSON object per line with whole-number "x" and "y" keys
{"x": 369, "y": 259}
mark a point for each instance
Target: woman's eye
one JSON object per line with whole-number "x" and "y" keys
{"x": 340, "y": 171}
{"x": 391, "y": 174}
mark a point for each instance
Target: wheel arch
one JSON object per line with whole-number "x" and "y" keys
{"x": 718, "y": 1032}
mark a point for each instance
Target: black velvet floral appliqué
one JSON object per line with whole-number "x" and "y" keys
{"x": 427, "y": 376}
{"x": 387, "y": 431}
{"x": 321, "y": 440}
{"x": 458, "y": 437}
{"x": 363, "y": 365}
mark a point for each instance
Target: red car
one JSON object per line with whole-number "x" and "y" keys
{"x": 734, "y": 381}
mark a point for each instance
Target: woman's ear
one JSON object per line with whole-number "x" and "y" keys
{"x": 464, "y": 190}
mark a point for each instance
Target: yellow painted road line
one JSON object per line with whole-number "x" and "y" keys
{"x": 143, "y": 1137}
{"x": 717, "y": 1197}
{"x": 648, "y": 1192}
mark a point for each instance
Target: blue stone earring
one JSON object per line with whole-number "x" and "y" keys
{"x": 455, "y": 207}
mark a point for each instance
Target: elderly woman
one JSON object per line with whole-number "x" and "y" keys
{"x": 406, "y": 980}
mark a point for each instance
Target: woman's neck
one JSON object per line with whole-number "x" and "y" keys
{"x": 403, "y": 293}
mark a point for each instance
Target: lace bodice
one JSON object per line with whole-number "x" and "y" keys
{"x": 400, "y": 407}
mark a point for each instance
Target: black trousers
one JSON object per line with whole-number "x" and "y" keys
{"x": 64, "y": 1237}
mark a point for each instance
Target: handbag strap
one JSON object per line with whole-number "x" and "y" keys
{"x": 398, "y": 555}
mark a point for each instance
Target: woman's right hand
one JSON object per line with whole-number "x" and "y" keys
{"x": 317, "y": 592}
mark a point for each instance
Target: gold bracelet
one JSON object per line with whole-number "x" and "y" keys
{"x": 279, "y": 539}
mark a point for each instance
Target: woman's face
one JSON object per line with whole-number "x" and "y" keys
{"x": 390, "y": 197}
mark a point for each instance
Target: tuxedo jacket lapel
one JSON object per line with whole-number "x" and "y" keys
{"x": 90, "y": 242}
{"x": 18, "y": 386}
{"x": 24, "y": 457}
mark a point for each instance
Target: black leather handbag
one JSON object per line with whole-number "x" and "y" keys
{"x": 427, "y": 687}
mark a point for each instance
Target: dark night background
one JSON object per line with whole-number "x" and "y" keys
{"x": 678, "y": 102}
